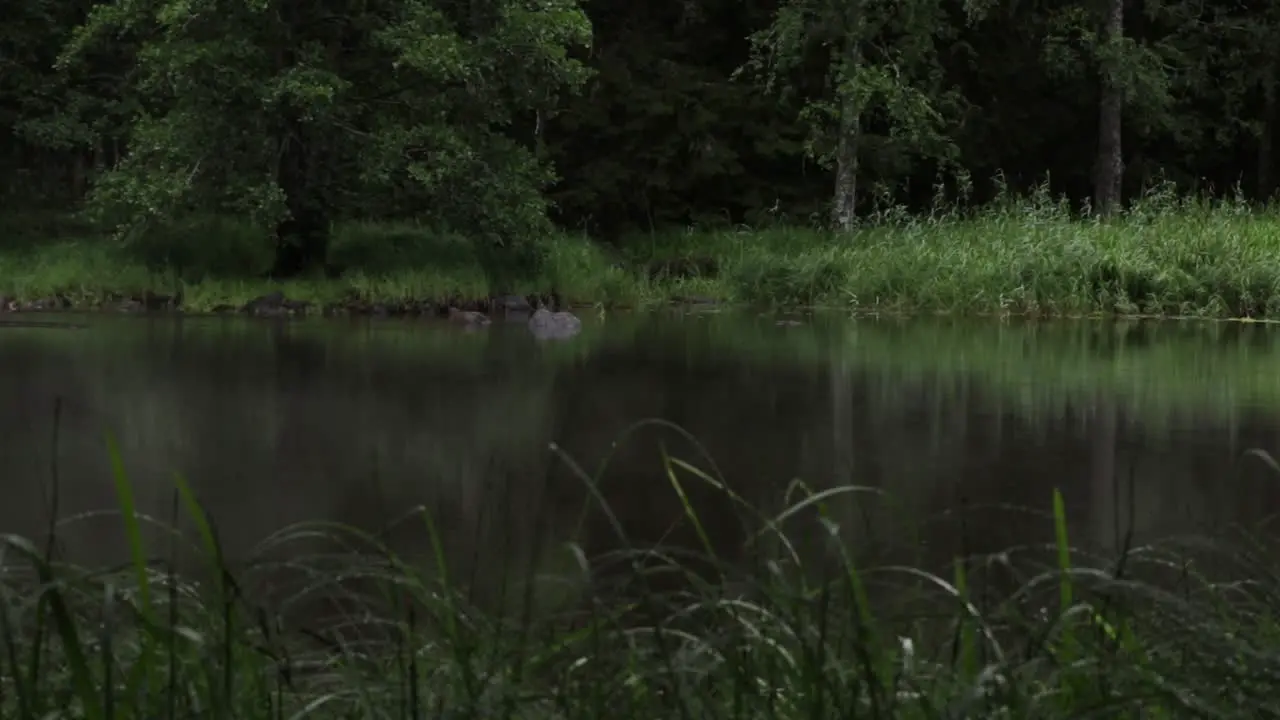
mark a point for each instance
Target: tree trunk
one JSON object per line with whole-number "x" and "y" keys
{"x": 1109, "y": 171}
{"x": 1266, "y": 138}
{"x": 302, "y": 238}
{"x": 844, "y": 205}
{"x": 79, "y": 164}
{"x": 844, "y": 213}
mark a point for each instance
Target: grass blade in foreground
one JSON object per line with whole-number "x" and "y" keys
{"x": 773, "y": 644}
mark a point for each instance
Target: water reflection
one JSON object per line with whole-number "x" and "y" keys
{"x": 1142, "y": 427}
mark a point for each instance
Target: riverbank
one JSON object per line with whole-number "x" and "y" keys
{"x": 1189, "y": 260}
{"x": 1073, "y": 636}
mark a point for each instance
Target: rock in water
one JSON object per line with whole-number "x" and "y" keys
{"x": 467, "y": 317}
{"x": 546, "y": 325}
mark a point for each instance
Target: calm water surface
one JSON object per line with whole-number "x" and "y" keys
{"x": 1143, "y": 427}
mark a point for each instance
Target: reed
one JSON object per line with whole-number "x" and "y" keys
{"x": 1180, "y": 628}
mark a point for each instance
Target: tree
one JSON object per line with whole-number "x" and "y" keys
{"x": 1229, "y": 53}
{"x": 280, "y": 109}
{"x": 663, "y": 136}
{"x": 881, "y": 98}
{"x": 58, "y": 122}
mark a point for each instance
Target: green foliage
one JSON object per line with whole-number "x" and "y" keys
{"x": 882, "y": 87}
{"x": 804, "y": 280}
{"x": 489, "y": 120}
{"x": 261, "y": 109}
{"x": 199, "y": 246}
{"x": 663, "y": 137}
{"x": 1024, "y": 255}
{"x": 384, "y": 248}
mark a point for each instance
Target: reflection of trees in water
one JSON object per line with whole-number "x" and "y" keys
{"x": 747, "y": 421}
{"x": 277, "y": 427}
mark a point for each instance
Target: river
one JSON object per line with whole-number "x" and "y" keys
{"x": 1145, "y": 428}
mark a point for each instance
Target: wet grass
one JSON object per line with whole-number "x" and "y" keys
{"x": 1176, "y": 629}
{"x": 1021, "y": 256}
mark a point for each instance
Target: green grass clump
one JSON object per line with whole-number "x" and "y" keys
{"x": 1029, "y": 256}
{"x": 805, "y": 280}
{"x": 810, "y": 628}
{"x": 216, "y": 262}
{"x": 1033, "y": 256}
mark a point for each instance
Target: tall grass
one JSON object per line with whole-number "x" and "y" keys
{"x": 1021, "y": 255}
{"x": 1182, "y": 628}
{"x": 1164, "y": 256}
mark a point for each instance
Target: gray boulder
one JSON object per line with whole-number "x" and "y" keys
{"x": 547, "y": 325}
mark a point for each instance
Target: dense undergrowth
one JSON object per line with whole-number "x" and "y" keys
{"x": 1176, "y": 629}
{"x": 1163, "y": 256}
